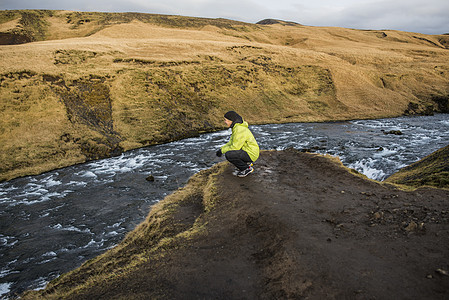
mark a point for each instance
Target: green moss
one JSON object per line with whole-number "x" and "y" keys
{"x": 73, "y": 56}
{"x": 8, "y": 15}
{"x": 433, "y": 170}
{"x": 34, "y": 24}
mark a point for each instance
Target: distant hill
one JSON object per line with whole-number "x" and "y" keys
{"x": 24, "y": 26}
{"x": 77, "y": 86}
{"x": 274, "y": 21}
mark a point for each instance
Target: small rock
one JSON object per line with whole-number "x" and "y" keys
{"x": 412, "y": 226}
{"x": 421, "y": 226}
{"x": 150, "y": 178}
{"x": 367, "y": 194}
{"x": 429, "y": 276}
{"x": 395, "y": 132}
{"x": 442, "y": 272}
{"x": 378, "y": 215}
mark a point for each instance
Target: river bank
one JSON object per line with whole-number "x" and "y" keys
{"x": 55, "y": 221}
{"x": 301, "y": 226}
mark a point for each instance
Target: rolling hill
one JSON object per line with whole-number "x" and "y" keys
{"x": 77, "y": 86}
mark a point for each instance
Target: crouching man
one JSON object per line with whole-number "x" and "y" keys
{"x": 242, "y": 149}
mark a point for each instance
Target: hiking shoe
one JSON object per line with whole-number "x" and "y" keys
{"x": 245, "y": 172}
{"x": 237, "y": 171}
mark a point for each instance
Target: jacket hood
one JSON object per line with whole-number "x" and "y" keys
{"x": 238, "y": 121}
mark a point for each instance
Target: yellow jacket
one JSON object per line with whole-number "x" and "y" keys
{"x": 242, "y": 139}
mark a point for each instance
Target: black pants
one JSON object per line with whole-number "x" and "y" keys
{"x": 238, "y": 158}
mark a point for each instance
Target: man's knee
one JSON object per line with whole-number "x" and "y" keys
{"x": 231, "y": 155}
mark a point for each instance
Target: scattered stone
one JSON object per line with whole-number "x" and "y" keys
{"x": 378, "y": 215}
{"x": 412, "y": 226}
{"x": 150, "y": 178}
{"x": 367, "y": 194}
{"x": 442, "y": 272}
{"x": 395, "y": 132}
{"x": 421, "y": 226}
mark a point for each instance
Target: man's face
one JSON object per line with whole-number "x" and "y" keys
{"x": 228, "y": 122}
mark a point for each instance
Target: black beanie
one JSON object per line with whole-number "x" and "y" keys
{"x": 233, "y": 116}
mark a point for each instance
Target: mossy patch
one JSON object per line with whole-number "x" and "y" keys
{"x": 59, "y": 122}
{"x": 32, "y": 122}
{"x": 32, "y": 26}
{"x": 88, "y": 102}
{"x": 73, "y": 56}
{"x": 432, "y": 170}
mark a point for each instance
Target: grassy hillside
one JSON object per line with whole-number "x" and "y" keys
{"x": 76, "y": 86}
{"x": 432, "y": 170}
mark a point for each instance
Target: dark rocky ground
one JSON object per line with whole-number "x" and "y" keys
{"x": 300, "y": 227}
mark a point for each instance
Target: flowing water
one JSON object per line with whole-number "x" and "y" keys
{"x": 53, "y": 222}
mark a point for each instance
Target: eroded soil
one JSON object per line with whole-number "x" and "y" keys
{"x": 300, "y": 227}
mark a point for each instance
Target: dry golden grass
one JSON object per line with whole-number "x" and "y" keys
{"x": 165, "y": 77}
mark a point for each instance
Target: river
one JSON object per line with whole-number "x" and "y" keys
{"x": 53, "y": 222}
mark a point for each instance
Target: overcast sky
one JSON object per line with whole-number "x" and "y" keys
{"x": 424, "y": 16}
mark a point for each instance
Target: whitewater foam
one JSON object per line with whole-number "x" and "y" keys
{"x": 366, "y": 167}
{"x": 5, "y": 288}
{"x": 71, "y": 228}
{"x": 40, "y": 283}
{"x": 94, "y": 244}
{"x": 49, "y": 254}
{"x": 87, "y": 174}
{"x": 385, "y": 152}
{"x": 51, "y": 182}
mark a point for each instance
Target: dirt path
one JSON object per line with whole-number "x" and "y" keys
{"x": 300, "y": 227}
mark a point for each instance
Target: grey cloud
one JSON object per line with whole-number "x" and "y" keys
{"x": 412, "y": 15}
{"x": 409, "y": 15}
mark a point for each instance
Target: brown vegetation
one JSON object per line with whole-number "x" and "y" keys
{"x": 77, "y": 86}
